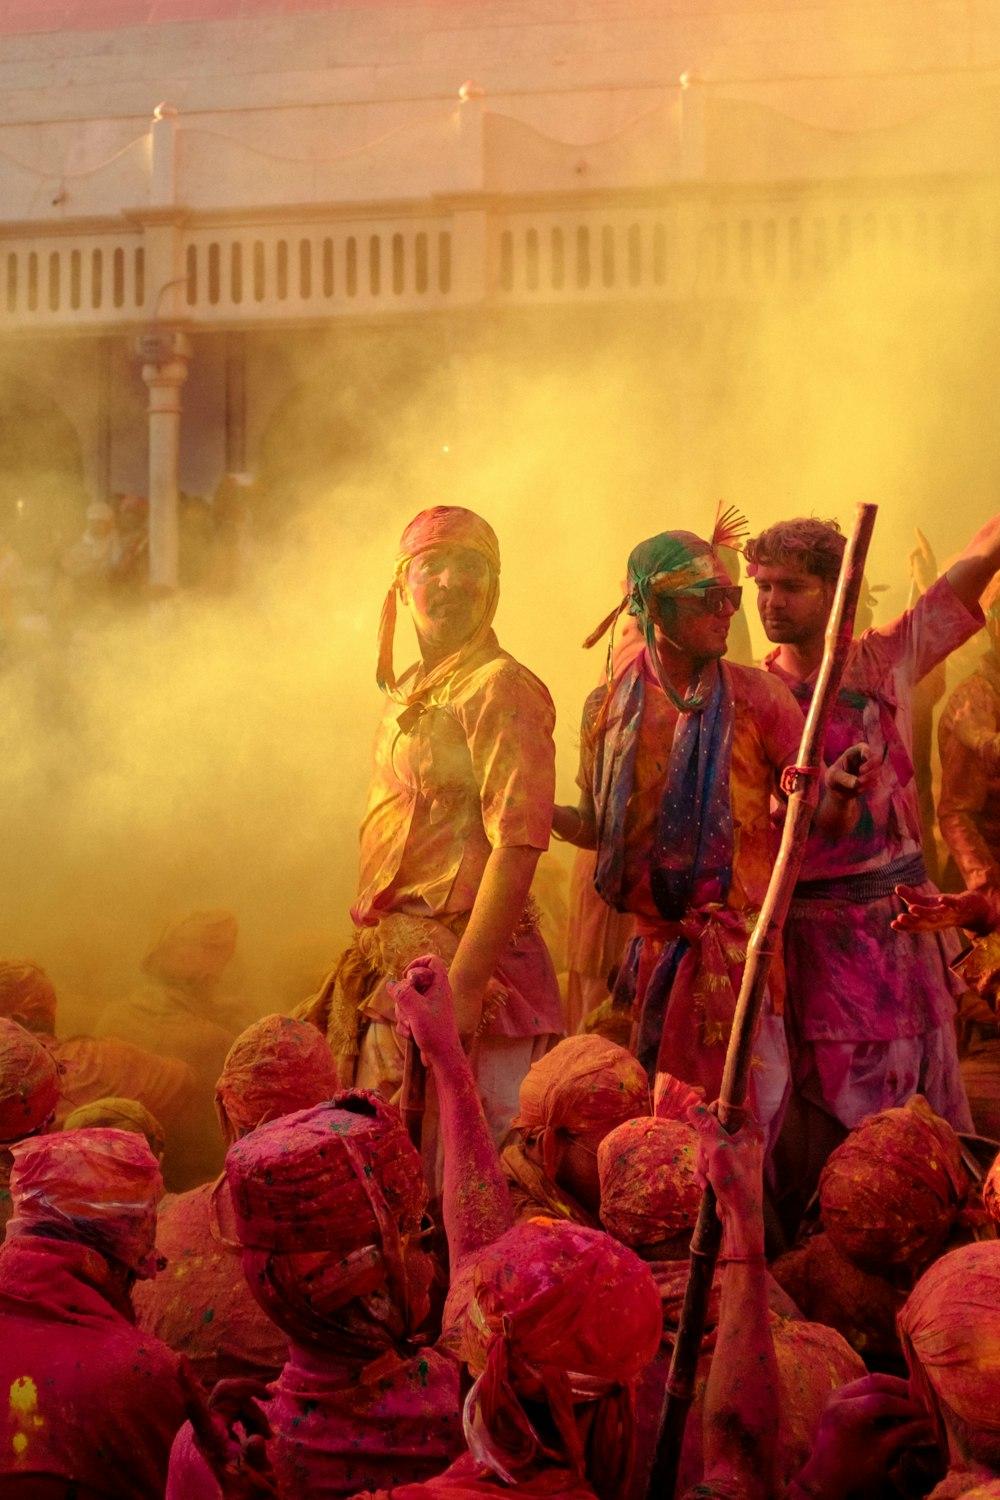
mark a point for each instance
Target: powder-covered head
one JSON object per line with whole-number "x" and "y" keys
{"x": 950, "y": 1331}
{"x": 99, "y": 1187}
{"x": 447, "y": 526}
{"x": 29, "y": 1083}
{"x": 115, "y": 1113}
{"x": 441, "y": 526}
{"x": 892, "y": 1191}
{"x": 275, "y": 1067}
{"x": 27, "y": 995}
{"x": 649, "y": 1185}
{"x": 583, "y": 1088}
{"x": 328, "y": 1202}
{"x": 562, "y": 1315}
{"x": 195, "y": 948}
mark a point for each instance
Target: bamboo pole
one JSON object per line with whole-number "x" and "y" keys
{"x": 801, "y": 782}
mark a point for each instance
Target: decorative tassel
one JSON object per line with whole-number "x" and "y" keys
{"x": 731, "y": 528}
{"x": 605, "y": 625}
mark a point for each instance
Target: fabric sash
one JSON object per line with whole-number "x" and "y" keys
{"x": 692, "y": 854}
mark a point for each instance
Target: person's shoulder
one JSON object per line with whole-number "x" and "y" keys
{"x": 756, "y": 685}
{"x": 493, "y": 670}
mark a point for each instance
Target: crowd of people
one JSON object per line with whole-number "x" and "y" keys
{"x": 416, "y": 1239}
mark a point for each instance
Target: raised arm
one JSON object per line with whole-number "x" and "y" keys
{"x": 741, "y": 1401}
{"x": 972, "y": 571}
{"x": 475, "y": 1202}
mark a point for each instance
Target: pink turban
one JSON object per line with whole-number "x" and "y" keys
{"x": 561, "y": 1314}
{"x": 196, "y": 947}
{"x": 584, "y": 1087}
{"x": 890, "y": 1194}
{"x": 275, "y": 1067}
{"x": 26, "y": 995}
{"x": 29, "y": 1083}
{"x": 440, "y": 526}
{"x": 326, "y": 1202}
{"x": 101, "y": 1185}
{"x": 649, "y": 1186}
{"x": 950, "y": 1328}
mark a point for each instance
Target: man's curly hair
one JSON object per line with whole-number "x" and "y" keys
{"x": 817, "y": 545}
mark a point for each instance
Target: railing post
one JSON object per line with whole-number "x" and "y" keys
{"x": 165, "y": 355}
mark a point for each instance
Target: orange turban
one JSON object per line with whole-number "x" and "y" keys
{"x": 26, "y": 995}
{"x": 196, "y": 947}
{"x": 584, "y": 1087}
{"x": 950, "y": 1329}
{"x": 440, "y": 526}
{"x": 29, "y": 1083}
{"x": 561, "y": 1314}
{"x": 100, "y": 1185}
{"x": 275, "y": 1067}
{"x": 116, "y": 1113}
{"x": 890, "y": 1194}
{"x": 649, "y": 1186}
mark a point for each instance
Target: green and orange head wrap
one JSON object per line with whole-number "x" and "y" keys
{"x": 679, "y": 565}
{"x": 440, "y": 526}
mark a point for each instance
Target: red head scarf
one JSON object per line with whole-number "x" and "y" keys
{"x": 26, "y": 995}
{"x": 327, "y": 1201}
{"x": 440, "y": 526}
{"x": 950, "y": 1330}
{"x": 29, "y": 1083}
{"x": 584, "y": 1087}
{"x": 564, "y": 1315}
{"x": 119, "y": 1114}
{"x": 275, "y": 1067}
{"x": 649, "y": 1187}
{"x": 197, "y": 947}
{"x": 892, "y": 1191}
{"x": 100, "y": 1187}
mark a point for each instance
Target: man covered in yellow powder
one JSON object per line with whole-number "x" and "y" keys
{"x": 459, "y": 810}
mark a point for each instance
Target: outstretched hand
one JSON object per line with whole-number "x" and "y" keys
{"x": 853, "y": 773}
{"x": 424, "y": 1008}
{"x": 939, "y": 911}
{"x": 230, "y": 1432}
{"x": 865, "y": 1427}
{"x": 923, "y": 563}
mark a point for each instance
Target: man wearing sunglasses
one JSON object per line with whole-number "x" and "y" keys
{"x": 681, "y": 753}
{"x": 871, "y": 1011}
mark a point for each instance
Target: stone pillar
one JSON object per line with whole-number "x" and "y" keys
{"x": 165, "y": 365}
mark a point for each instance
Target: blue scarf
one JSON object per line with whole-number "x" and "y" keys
{"x": 692, "y": 849}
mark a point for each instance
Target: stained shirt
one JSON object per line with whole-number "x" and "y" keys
{"x": 393, "y": 1422}
{"x": 875, "y": 705}
{"x": 470, "y": 771}
{"x": 200, "y": 1304}
{"x": 969, "y": 806}
{"x": 90, "y": 1398}
{"x": 767, "y": 728}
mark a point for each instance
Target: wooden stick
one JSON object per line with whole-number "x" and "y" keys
{"x": 801, "y": 782}
{"x": 412, "y": 1095}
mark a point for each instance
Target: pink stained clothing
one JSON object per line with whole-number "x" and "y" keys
{"x": 200, "y": 1304}
{"x": 969, "y": 804}
{"x": 469, "y": 770}
{"x": 392, "y": 1422}
{"x": 842, "y": 1025}
{"x": 90, "y": 1398}
{"x": 875, "y": 705}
